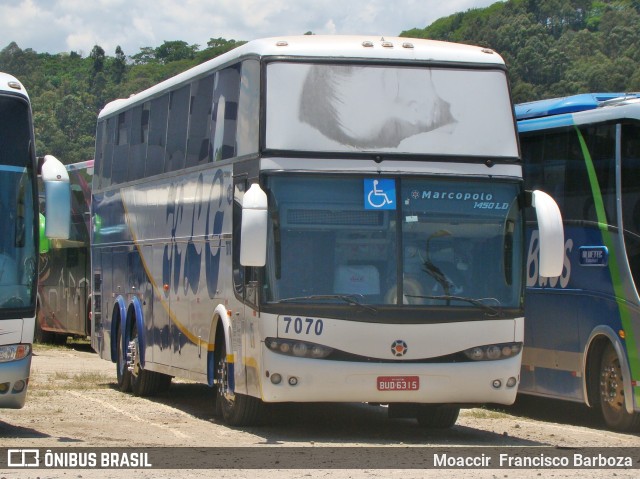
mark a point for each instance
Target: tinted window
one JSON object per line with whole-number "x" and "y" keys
{"x": 108, "y": 152}
{"x": 121, "y": 148}
{"x": 158, "y": 114}
{"x": 198, "y": 147}
{"x": 177, "y": 129}
{"x": 249, "y": 105}
{"x": 225, "y": 113}
{"x": 631, "y": 195}
{"x": 138, "y": 145}
{"x": 557, "y": 164}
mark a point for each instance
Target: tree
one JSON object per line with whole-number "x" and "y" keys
{"x": 119, "y": 66}
{"x": 98, "y": 56}
{"x": 174, "y": 51}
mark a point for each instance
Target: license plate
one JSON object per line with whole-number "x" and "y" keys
{"x": 398, "y": 383}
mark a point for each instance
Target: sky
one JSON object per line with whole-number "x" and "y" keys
{"x": 56, "y": 26}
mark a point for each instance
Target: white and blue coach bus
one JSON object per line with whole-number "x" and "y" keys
{"x": 21, "y": 236}
{"x": 318, "y": 219}
{"x": 583, "y": 328}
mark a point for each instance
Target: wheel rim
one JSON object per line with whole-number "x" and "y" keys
{"x": 223, "y": 379}
{"x": 611, "y": 385}
{"x": 133, "y": 354}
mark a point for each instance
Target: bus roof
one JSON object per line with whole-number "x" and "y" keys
{"x": 9, "y": 83}
{"x": 568, "y": 104}
{"x": 328, "y": 46}
{"x": 576, "y": 109}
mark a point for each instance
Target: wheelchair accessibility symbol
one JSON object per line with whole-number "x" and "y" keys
{"x": 379, "y": 194}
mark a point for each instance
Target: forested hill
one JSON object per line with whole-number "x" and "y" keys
{"x": 552, "y": 48}
{"x": 68, "y": 90}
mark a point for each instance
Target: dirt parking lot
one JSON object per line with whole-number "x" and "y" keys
{"x": 73, "y": 402}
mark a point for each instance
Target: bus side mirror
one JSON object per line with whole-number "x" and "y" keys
{"x": 551, "y": 234}
{"x": 253, "y": 236}
{"x": 57, "y": 193}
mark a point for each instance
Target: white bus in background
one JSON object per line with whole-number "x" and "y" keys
{"x": 63, "y": 277}
{"x": 22, "y": 233}
{"x": 305, "y": 219}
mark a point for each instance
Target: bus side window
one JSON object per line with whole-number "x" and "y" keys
{"x": 224, "y": 113}
{"x": 158, "y": 114}
{"x": 249, "y": 109}
{"x": 198, "y": 150}
{"x": 631, "y": 196}
{"x": 121, "y": 148}
{"x": 138, "y": 141}
{"x": 108, "y": 152}
{"x": 177, "y": 133}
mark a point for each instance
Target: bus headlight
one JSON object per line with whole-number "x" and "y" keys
{"x": 493, "y": 352}
{"x": 14, "y": 352}
{"x": 299, "y": 349}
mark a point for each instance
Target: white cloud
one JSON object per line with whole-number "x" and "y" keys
{"x": 63, "y": 25}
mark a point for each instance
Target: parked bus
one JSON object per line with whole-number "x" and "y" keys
{"x": 582, "y": 332}
{"x": 64, "y": 286}
{"x": 21, "y": 236}
{"x": 318, "y": 219}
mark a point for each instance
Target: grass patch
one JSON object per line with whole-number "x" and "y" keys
{"x": 80, "y": 344}
{"x": 63, "y": 381}
{"x": 483, "y": 413}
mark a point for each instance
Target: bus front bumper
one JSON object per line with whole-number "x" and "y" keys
{"x": 309, "y": 380}
{"x": 14, "y": 381}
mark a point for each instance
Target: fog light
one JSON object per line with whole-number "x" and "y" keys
{"x": 276, "y": 378}
{"x": 4, "y": 387}
{"x": 293, "y": 381}
{"x": 496, "y": 383}
{"x": 18, "y": 386}
{"x": 511, "y": 382}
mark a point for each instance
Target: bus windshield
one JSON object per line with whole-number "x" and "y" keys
{"x": 442, "y": 238}
{"x": 391, "y": 109}
{"x": 17, "y": 241}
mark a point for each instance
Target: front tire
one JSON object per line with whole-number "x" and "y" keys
{"x": 235, "y": 409}
{"x": 612, "y": 398}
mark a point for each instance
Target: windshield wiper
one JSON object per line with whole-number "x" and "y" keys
{"x": 347, "y": 298}
{"x": 476, "y": 302}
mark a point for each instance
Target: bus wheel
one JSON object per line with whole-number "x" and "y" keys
{"x": 437, "y": 417}
{"x": 143, "y": 382}
{"x": 236, "y": 409}
{"x": 122, "y": 372}
{"x": 612, "y": 400}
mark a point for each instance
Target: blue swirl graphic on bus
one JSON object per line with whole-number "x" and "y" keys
{"x": 212, "y": 233}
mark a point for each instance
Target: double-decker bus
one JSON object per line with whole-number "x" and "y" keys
{"x": 318, "y": 219}
{"x": 583, "y": 327}
{"x": 63, "y": 282}
{"x": 21, "y": 236}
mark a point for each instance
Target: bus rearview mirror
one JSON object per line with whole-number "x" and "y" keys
{"x": 551, "y": 234}
{"x": 253, "y": 239}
